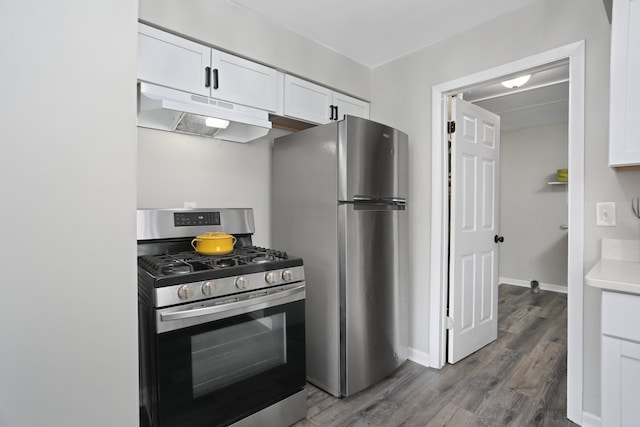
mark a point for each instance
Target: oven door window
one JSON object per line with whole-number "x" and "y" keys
{"x": 220, "y": 372}
{"x": 229, "y": 355}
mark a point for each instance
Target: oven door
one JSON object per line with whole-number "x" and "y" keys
{"x": 230, "y": 360}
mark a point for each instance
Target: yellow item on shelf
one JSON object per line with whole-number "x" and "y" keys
{"x": 562, "y": 175}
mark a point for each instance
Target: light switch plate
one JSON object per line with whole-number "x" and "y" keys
{"x": 189, "y": 205}
{"x": 606, "y": 214}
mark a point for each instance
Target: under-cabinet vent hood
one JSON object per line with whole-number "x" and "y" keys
{"x": 176, "y": 111}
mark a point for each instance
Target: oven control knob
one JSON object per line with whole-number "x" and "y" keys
{"x": 271, "y": 277}
{"x": 241, "y": 282}
{"x": 185, "y": 292}
{"x": 208, "y": 288}
{"x": 287, "y": 275}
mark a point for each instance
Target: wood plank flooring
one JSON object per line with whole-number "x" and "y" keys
{"x": 518, "y": 380}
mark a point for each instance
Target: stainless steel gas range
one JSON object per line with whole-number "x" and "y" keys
{"x": 222, "y": 337}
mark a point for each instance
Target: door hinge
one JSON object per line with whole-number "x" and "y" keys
{"x": 449, "y": 323}
{"x": 451, "y": 127}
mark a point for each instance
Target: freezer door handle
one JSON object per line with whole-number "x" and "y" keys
{"x": 366, "y": 199}
{"x": 392, "y": 203}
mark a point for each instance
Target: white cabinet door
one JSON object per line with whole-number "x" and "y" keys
{"x": 620, "y": 382}
{"x": 317, "y": 104}
{"x": 624, "y": 134}
{"x": 620, "y": 359}
{"x": 348, "y": 105}
{"x": 244, "y": 82}
{"x": 307, "y": 101}
{"x": 172, "y": 61}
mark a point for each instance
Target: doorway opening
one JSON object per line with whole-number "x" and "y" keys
{"x": 533, "y": 186}
{"x": 505, "y": 148}
{"x": 574, "y": 54}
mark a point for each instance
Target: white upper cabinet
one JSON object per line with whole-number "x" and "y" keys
{"x": 316, "y": 104}
{"x": 241, "y": 81}
{"x": 169, "y": 60}
{"x": 348, "y": 105}
{"x": 172, "y": 61}
{"x": 624, "y": 132}
{"x": 307, "y": 101}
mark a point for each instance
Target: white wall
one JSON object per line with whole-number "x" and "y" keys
{"x": 225, "y": 25}
{"x": 175, "y": 168}
{"x": 406, "y": 105}
{"x": 68, "y": 334}
{"x": 531, "y": 210}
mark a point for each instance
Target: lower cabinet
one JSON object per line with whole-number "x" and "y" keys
{"x": 620, "y": 359}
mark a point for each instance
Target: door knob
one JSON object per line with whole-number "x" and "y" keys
{"x": 499, "y": 239}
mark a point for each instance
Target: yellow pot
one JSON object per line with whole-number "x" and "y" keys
{"x": 214, "y": 243}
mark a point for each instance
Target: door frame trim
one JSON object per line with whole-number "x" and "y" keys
{"x": 575, "y": 53}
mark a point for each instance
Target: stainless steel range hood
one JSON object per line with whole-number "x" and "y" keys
{"x": 176, "y": 111}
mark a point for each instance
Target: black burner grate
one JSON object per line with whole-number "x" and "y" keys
{"x": 190, "y": 261}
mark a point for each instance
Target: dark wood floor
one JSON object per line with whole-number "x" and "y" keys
{"x": 518, "y": 380}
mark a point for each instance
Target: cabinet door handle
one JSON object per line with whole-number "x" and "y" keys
{"x": 333, "y": 112}
{"x": 498, "y": 239}
{"x": 207, "y": 76}
{"x": 215, "y": 78}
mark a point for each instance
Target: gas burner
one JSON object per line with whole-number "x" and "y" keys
{"x": 175, "y": 268}
{"x": 225, "y": 262}
{"x": 262, "y": 259}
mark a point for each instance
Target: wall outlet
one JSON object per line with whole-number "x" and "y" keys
{"x": 606, "y": 214}
{"x": 189, "y": 204}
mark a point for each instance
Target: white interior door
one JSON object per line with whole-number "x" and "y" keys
{"x": 473, "y": 242}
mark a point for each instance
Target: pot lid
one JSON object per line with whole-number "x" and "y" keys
{"x": 214, "y": 235}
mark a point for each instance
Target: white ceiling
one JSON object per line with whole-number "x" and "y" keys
{"x": 543, "y": 100}
{"x": 374, "y": 32}
{"x": 540, "y": 107}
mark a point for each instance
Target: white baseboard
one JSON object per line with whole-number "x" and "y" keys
{"x": 590, "y": 420}
{"x": 526, "y": 283}
{"x": 418, "y": 356}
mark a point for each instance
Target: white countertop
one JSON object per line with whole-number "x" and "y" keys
{"x": 615, "y": 275}
{"x": 619, "y": 268}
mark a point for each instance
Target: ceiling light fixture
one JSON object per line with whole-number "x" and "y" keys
{"x": 517, "y": 82}
{"x": 216, "y": 123}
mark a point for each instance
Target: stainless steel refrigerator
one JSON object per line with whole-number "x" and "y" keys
{"x": 340, "y": 202}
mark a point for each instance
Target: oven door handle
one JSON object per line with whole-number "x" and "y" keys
{"x": 258, "y": 303}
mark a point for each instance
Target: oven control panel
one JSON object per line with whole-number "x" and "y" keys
{"x": 190, "y": 219}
